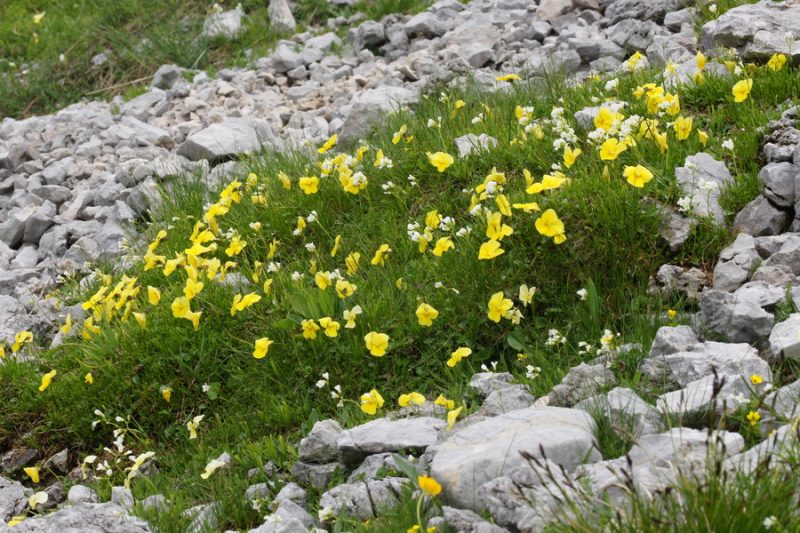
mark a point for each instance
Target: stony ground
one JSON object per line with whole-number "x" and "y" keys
{"x": 74, "y": 184}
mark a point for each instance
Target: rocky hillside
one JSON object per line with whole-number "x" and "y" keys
{"x": 502, "y": 265}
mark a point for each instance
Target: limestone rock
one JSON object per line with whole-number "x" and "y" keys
{"x": 383, "y": 435}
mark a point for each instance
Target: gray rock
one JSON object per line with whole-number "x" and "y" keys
{"x": 368, "y": 34}
{"x": 505, "y": 400}
{"x": 702, "y": 178}
{"x": 672, "y": 279}
{"x": 581, "y": 382}
{"x": 80, "y": 494}
{"x": 383, "y": 435}
{"x": 92, "y": 517}
{"x": 735, "y": 318}
{"x": 775, "y": 275}
{"x": 465, "y": 521}
{"x": 59, "y": 462}
{"x": 122, "y": 496}
{"x": 784, "y": 341}
{"x": 778, "y": 183}
{"x": 52, "y": 193}
{"x": 285, "y": 59}
{"x": 226, "y": 139}
{"x": 773, "y": 449}
{"x": 167, "y": 76}
{"x": 757, "y": 31}
{"x": 203, "y": 517}
{"x": 674, "y": 228}
{"x": 704, "y": 395}
{"x": 428, "y": 24}
{"x": 370, "y": 105}
{"x": 259, "y": 491}
{"x": 654, "y": 10}
{"x": 17, "y": 458}
{"x": 364, "y": 499}
{"x": 485, "y": 383}
{"x": 626, "y": 411}
{"x": 374, "y": 465}
{"x": 470, "y": 143}
{"x": 783, "y": 403}
{"x": 280, "y": 17}
{"x": 226, "y": 24}
{"x": 13, "y": 498}
{"x": 319, "y": 446}
{"x": 315, "y": 475}
{"x": 324, "y": 42}
{"x": 485, "y": 450}
{"x": 672, "y": 339}
{"x": 13, "y": 229}
{"x": 292, "y": 492}
{"x": 760, "y": 217}
{"x": 735, "y": 263}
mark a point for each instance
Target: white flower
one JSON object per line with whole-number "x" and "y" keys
{"x": 712, "y": 8}
{"x": 273, "y": 266}
{"x": 297, "y": 276}
{"x": 206, "y": 387}
{"x": 326, "y": 514}
{"x": 582, "y": 294}
{"x": 463, "y": 231}
{"x": 312, "y": 217}
{"x": 727, "y": 144}
{"x": 478, "y": 118}
{"x": 769, "y": 522}
{"x": 311, "y": 247}
{"x": 611, "y": 84}
{"x": 555, "y": 337}
{"x": 684, "y": 204}
{"x": 532, "y": 372}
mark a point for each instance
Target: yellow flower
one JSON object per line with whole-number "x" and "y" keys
{"x": 414, "y": 398}
{"x": 380, "y": 255}
{"x": 20, "y": 339}
{"x": 741, "y": 90}
{"x": 236, "y": 246}
{"x": 507, "y": 77}
{"x": 141, "y": 319}
{"x": 310, "y": 329}
{"x": 330, "y": 327}
{"x": 38, "y": 17}
{"x": 337, "y": 242}
{"x": 637, "y": 176}
{"x": 262, "y": 347}
{"x": 426, "y": 314}
{"x": 611, "y": 148}
{"x": 345, "y": 289}
{"x": 432, "y": 219}
{"x": 672, "y": 314}
{"x": 776, "y": 62}
{"x": 442, "y": 245}
{"x": 350, "y": 316}
{"x": 702, "y": 137}
{"x": 605, "y": 120}
{"x": 323, "y": 280}
{"x": 489, "y": 250}
{"x": 153, "y": 295}
{"x": 371, "y": 401}
{"x": 285, "y": 181}
{"x": 180, "y": 307}
{"x": 458, "y": 355}
{"x": 310, "y": 185}
{"x": 32, "y": 472}
{"x": 39, "y": 498}
{"x": 46, "y": 380}
{"x": 429, "y": 485}
{"x": 498, "y": 306}
{"x": 495, "y": 229}
{"x": 67, "y": 327}
{"x": 753, "y": 417}
{"x": 452, "y": 415}
{"x": 398, "y": 136}
{"x": 526, "y": 294}
{"x": 528, "y": 207}
{"x": 240, "y": 303}
{"x": 440, "y": 160}
{"x": 683, "y": 127}
{"x": 351, "y": 262}
{"x": 377, "y": 343}
{"x": 701, "y": 60}
{"x": 16, "y": 520}
{"x": 212, "y": 467}
{"x": 166, "y": 393}
{"x": 444, "y": 402}
{"x": 192, "y": 288}
{"x": 755, "y": 379}
{"x": 192, "y": 426}
{"x": 571, "y": 155}
{"x": 549, "y": 224}
{"x": 330, "y": 143}
{"x": 88, "y": 378}
{"x": 503, "y": 205}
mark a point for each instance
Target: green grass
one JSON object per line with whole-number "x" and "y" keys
{"x": 256, "y": 409}
{"x": 141, "y": 35}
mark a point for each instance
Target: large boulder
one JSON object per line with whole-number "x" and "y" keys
{"x": 372, "y": 104}
{"x": 384, "y": 435}
{"x": 231, "y": 137}
{"x": 493, "y": 447}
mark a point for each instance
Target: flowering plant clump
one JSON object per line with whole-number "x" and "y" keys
{"x": 349, "y": 280}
